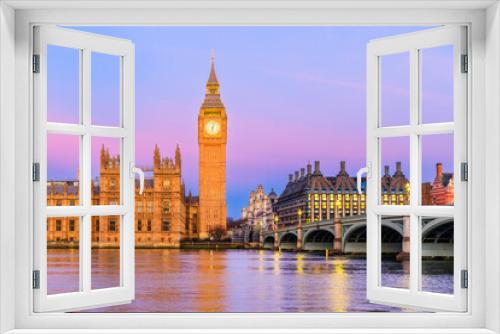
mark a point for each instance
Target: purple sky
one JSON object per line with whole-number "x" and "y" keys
{"x": 293, "y": 95}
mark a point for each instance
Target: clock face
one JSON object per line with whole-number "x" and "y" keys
{"x": 212, "y": 128}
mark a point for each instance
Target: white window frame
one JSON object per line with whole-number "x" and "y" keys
{"x": 412, "y": 44}
{"x": 85, "y": 129}
{"x": 16, "y": 20}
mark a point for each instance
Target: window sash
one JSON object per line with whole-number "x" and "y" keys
{"x": 86, "y": 297}
{"x": 412, "y": 43}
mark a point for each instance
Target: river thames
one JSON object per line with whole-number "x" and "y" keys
{"x": 169, "y": 280}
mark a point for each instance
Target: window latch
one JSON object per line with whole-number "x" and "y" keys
{"x": 365, "y": 170}
{"x": 136, "y": 170}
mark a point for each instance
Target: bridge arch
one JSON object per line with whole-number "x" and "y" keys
{"x": 269, "y": 242}
{"x": 354, "y": 239}
{"x": 437, "y": 237}
{"x": 288, "y": 240}
{"x": 318, "y": 239}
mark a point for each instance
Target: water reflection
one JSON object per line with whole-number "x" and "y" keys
{"x": 245, "y": 281}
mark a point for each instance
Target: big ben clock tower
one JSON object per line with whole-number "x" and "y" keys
{"x": 212, "y": 139}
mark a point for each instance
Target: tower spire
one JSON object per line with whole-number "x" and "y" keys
{"x": 212, "y": 78}
{"x": 157, "y": 157}
{"x": 212, "y": 92}
{"x": 178, "y": 156}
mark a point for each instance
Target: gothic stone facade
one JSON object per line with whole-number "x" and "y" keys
{"x": 164, "y": 215}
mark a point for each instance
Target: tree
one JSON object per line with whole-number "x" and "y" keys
{"x": 217, "y": 233}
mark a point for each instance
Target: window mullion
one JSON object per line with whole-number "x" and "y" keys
{"x": 86, "y": 178}
{"x": 415, "y": 157}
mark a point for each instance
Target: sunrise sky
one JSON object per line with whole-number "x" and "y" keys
{"x": 292, "y": 95}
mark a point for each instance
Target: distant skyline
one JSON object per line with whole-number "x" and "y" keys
{"x": 292, "y": 95}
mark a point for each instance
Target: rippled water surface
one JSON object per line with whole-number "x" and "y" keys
{"x": 241, "y": 280}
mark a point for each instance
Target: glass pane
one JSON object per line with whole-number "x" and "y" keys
{"x": 106, "y": 89}
{"x": 63, "y": 162}
{"x": 106, "y": 171}
{"x": 106, "y": 251}
{"x": 63, "y": 84}
{"x": 63, "y": 254}
{"x": 437, "y": 254}
{"x": 395, "y": 184}
{"x": 395, "y": 252}
{"x": 395, "y": 89}
{"x": 437, "y": 84}
{"x": 437, "y": 170}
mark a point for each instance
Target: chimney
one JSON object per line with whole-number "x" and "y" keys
{"x": 290, "y": 177}
{"x": 309, "y": 168}
{"x": 386, "y": 170}
{"x": 316, "y": 167}
{"x": 302, "y": 173}
{"x": 439, "y": 171}
{"x": 398, "y": 167}
{"x": 342, "y": 166}
{"x": 296, "y": 175}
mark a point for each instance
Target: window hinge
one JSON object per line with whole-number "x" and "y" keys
{"x": 36, "y": 279}
{"x": 464, "y": 168}
{"x": 465, "y": 64}
{"x": 464, "y": 279}
{"x": 36, "y": 172}
{"x": 36, "y": 63}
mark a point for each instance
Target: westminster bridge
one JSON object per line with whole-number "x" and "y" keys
{"x": 348, "y": 236}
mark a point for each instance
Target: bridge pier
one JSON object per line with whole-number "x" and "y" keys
{"x": 276, "y": 240}
{"x": 299, "y": 237}
{"x": 405, "y": 253}
{"x": 337, "y": 241}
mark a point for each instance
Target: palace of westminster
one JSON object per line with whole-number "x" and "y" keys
{"x": 165, "y": 215}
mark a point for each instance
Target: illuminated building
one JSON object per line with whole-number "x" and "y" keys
{"x": 322, "y": 197}
{"x": 163, "y": 214}
{"x": 212, "y": 139}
